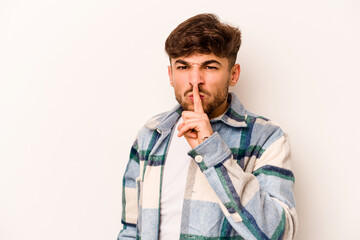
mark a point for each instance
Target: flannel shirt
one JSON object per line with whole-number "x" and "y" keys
{"x": 239, "y": 186}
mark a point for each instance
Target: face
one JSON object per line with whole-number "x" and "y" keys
{"x": 210, "y": 73}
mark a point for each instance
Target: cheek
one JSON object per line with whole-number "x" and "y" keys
{"x": 215, "y": 77}
{"x": 178, "y": 84}
{"x": 175, "y": 86}
{"x": 178, "y": 90}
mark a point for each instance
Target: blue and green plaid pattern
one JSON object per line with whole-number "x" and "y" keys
{"x": 242, "y": 188}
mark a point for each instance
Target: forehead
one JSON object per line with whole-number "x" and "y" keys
{"x": 200, "y": 59}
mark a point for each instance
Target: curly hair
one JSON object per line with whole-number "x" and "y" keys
{"x": 204, "y": 34}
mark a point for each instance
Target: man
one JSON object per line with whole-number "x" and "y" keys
{"x": 208, "y": 169}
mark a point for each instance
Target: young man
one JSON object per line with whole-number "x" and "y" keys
{"x": 208, "y": 169}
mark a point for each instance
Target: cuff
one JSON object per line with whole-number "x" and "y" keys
{"x": 210, "y": 152}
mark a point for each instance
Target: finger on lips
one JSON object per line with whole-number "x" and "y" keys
{"x": 191, "y": 114}
{"x": 192, "y": 118}
{"x": 198, "y": 107}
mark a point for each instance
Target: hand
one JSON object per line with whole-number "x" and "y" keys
{"x": 196, "y": 126}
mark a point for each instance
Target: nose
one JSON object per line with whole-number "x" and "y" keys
{"x": 196, "y": 76}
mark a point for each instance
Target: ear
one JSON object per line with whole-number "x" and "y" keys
{"x": 234, "y": 75}
{"x": 170, "y": 76}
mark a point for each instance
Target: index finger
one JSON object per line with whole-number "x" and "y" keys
{"x": 198, "y": 107}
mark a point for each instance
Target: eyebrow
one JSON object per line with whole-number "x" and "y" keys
{"x": 180, "y": 61}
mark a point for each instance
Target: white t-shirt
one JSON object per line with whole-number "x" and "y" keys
{"x": 173, "y": 186}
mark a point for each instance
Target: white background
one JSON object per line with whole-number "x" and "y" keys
{"x": 79, "y": 78}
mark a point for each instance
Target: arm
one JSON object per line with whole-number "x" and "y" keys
{"x": 258, "y": 205}
{"x": 129, "y": 196}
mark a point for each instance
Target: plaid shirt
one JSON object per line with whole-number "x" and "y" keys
{"x": 239, "y": 186}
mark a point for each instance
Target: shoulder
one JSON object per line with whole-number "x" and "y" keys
{"x": 154, "y": 121}
{"x": 158, "y": 123}
{"x": 151, "y": 125}
{"x": 264, "y": 132}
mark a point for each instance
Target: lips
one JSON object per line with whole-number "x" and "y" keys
{"x": 192, "y": 97}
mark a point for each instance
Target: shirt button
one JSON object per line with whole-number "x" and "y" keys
{"x": 198, "y": 159}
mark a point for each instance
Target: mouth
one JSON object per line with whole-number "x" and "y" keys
{"x": 192, "y": 97}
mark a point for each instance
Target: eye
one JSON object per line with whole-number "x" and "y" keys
{"x": 211, "y": 67}
{"x": 182, "y": 67}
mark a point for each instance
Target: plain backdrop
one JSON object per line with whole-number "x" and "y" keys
{"x": 78, "y": 78}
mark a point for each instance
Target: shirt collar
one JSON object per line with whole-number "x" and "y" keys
{"x": 234, "y": 116}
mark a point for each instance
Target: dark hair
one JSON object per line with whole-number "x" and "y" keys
{"x": 204, "y": 34}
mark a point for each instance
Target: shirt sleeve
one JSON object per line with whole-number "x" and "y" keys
{"x": 259, "y": 204}
{"x": 130, "y": 196}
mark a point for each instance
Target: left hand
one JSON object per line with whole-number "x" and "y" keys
{"x": 196, "y": 126}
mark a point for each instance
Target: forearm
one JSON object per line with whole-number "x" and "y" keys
{"x": 258, "y": 207}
